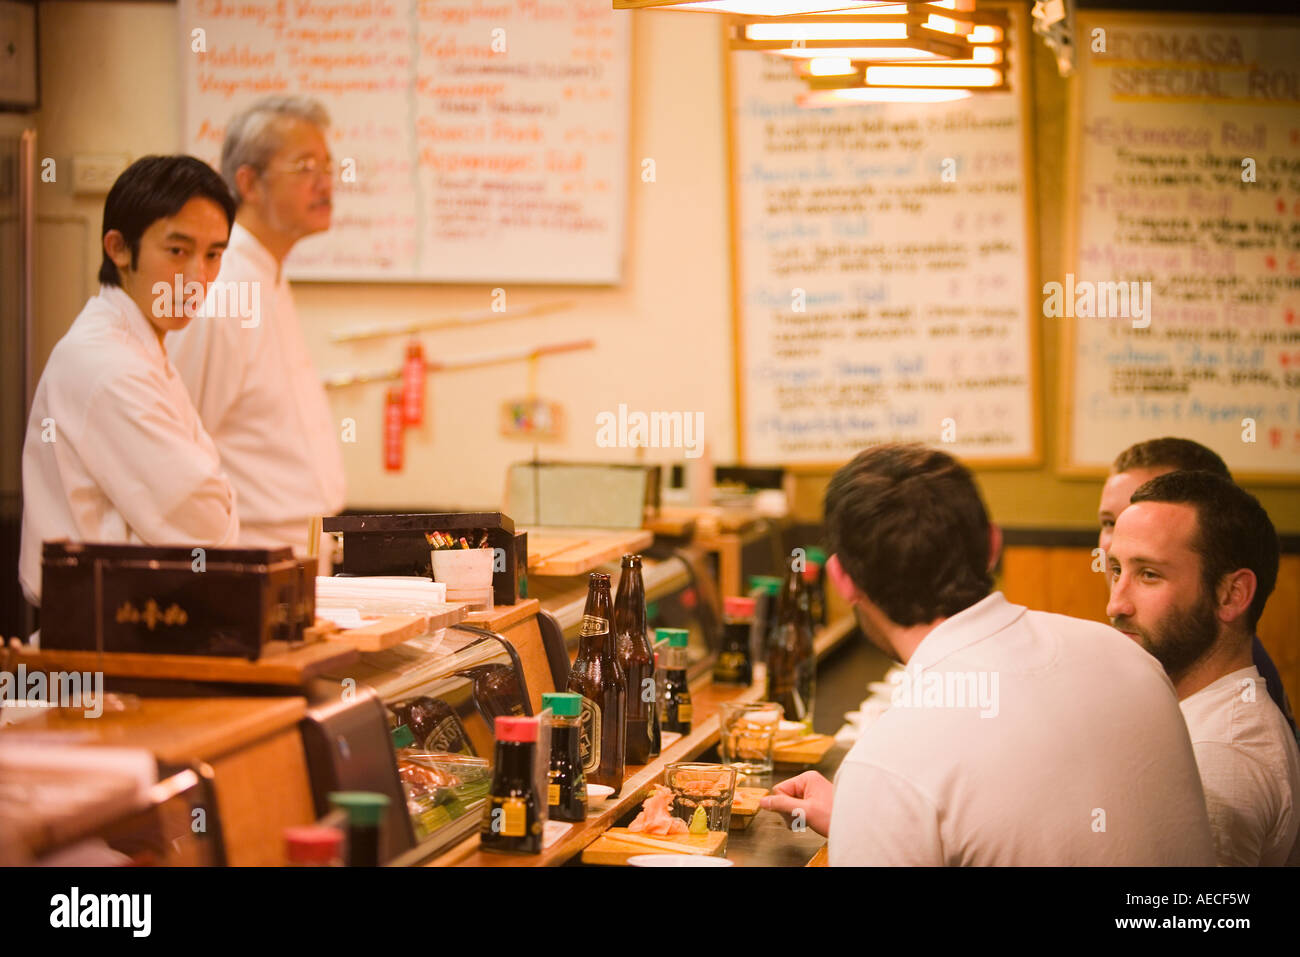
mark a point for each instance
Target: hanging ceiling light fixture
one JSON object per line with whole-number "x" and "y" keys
{"x": 904, "y": 32}
{"x": 837, "y": 80}
{"x": 753, "y": 8}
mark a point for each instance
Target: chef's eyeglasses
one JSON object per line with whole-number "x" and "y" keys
{"x": 310, "y": 167}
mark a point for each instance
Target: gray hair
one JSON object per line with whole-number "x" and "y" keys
{"x": 253, "y": 135}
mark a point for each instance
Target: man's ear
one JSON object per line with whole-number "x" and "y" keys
{"x": 1235, "y": 593}
{"x": 117, "y": 249}
{"x": 995, "y": 545}
{"x": 843, "y": 583}
{"x": 246, "y": 182}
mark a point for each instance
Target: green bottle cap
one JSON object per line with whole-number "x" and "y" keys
{"x": 365, "y": 808}
{"x": 676, "y": 637}
{"x": 563, "y": 704}
{"x": 766, "y": 583}
{"x": 402, "y": 737}
{"x": 816, "y": 554}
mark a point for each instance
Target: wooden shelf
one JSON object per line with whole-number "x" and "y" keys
{"x": 575, "y": 551}
{"x": 174, "y": 730}
{"x": 292, "y": 667}
{"x": 503, "y": 616}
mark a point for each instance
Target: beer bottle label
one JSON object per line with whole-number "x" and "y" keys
{"x": 592, "y": 625}
{"x": 589, "y": 735}
{"x": 449, "y": 736}
{"x": 553, "y": 795}
{"x": 684, "y": 712}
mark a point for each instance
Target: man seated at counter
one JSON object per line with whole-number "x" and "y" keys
{"x": 1192, "y": 562}
{"x": 115, "y": 451}
{"x": 1144, "y": 461}
{"x": 250, "y": 376}
{"x": 1017, "y": 737}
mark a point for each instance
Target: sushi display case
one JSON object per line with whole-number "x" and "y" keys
{"x": 442, "y": 695}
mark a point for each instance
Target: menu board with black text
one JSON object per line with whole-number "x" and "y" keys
{"x": 884, "y": 263}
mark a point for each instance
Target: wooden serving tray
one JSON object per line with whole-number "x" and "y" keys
{"x": 614, "y": 848}
{"x": 744, "y": 808}
{"x": 576, "y": 551}
{"x": 802, "y": 752}
{"x": 384, "y": 632}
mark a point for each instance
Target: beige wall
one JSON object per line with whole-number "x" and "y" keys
{"x": 109, "y": 76}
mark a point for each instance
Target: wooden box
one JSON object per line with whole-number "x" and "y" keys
{"x": 173, "y": 600}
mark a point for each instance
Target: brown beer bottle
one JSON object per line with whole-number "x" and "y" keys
{"x": 791, "y": 663}
{"x": 596, "y": 676}
{"x": 636, "y": 659}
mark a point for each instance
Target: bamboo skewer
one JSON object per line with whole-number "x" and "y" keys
{"x": 405, "y": 327}
{"x": 343, "y": 379}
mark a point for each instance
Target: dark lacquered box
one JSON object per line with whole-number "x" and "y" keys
{"x": 396, "y": 545}
{"x": 173, "y": 600}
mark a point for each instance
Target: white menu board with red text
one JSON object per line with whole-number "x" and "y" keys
{"x": 473, "y": 140}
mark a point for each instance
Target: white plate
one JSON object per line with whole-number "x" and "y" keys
{"x": 678, "y": 860}
{"x": 598, "y": 792}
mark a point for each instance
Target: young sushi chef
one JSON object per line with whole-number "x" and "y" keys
{"x": 251, "y": 377}
{"x": 115, "y": 451}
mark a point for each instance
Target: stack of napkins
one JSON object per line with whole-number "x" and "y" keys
{"x": 348, "y": 602}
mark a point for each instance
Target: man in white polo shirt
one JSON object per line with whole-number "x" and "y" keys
{"x": 1017, "y": 737}
{"x": 251, "y": 376}
{"x": 1192, "y": 562}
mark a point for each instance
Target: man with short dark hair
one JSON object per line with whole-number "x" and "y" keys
{"x": 1015, "y": 737}
{"x": 251, "y": 376}
{"x": 1192, "y": 563}
{"x": 1144, "y": 461}
{"x": 115, "y": 451}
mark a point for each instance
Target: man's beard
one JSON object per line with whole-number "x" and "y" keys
{"x": 1181, "y": 639}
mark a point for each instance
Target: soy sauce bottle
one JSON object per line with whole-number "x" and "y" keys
{"x": 677, "y": 694}
{"x": 734, "y": 664}
{"x": 597, "y": 676}
{"x": 637, "y": 661}
{"x": 514, "y": 816}
{"x": 566, "y": 789}
{"x": 365, "y": 812}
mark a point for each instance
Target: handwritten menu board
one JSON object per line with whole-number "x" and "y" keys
{"x": 914, "y": 285}
{"x": 474, "y": 140}
{"x": 1187, "y": 142}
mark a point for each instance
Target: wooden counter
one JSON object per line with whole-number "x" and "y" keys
{"x": 706, "y": 698}
{"x": 252, "y": 744}
{"x": 704, "y": 734}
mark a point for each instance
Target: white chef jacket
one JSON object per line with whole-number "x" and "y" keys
{"x": 1084, "y": 758}
{"x": 260, "y": 398}
{"x": 115, "y": 451}
{"x": 1250, "y": 768}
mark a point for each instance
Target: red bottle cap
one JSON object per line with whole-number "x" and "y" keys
{"x": 313, "y": 845}
{"x": 811, "y": 573}
{"x": 521, "y": 730}
{"x": 738, "y": 606}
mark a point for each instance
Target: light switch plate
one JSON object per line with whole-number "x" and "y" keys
{"x": 93, "y": 173}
